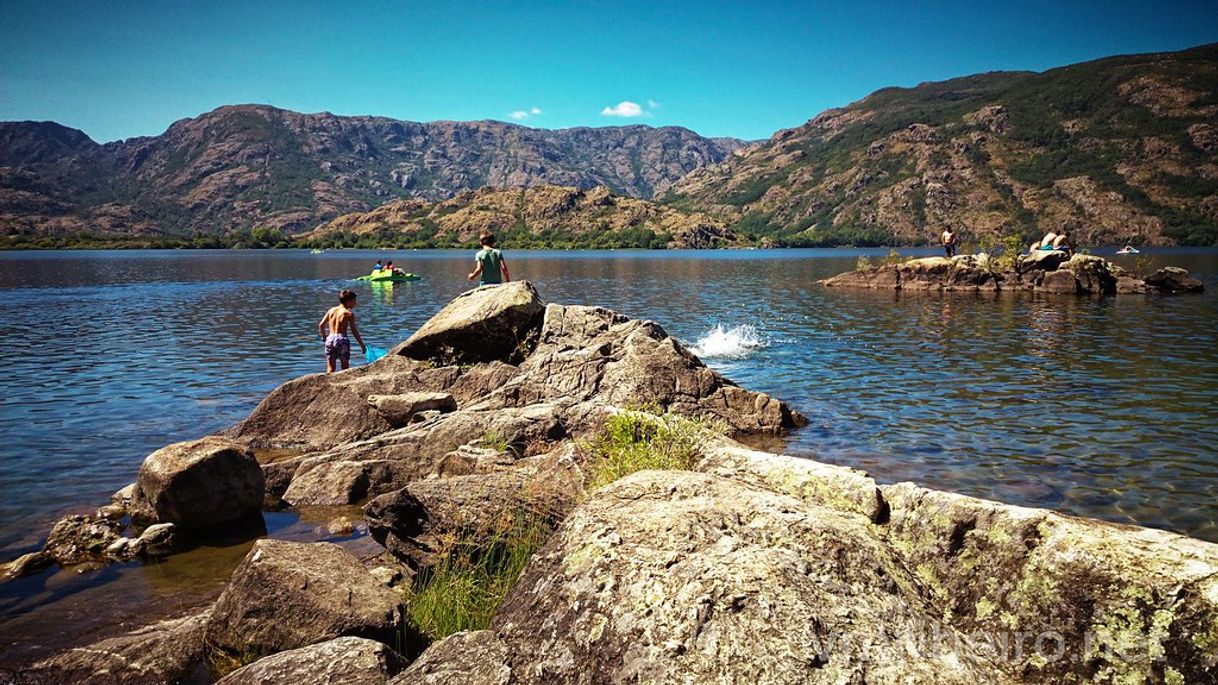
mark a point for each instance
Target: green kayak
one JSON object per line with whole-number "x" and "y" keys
{"x": 383, "y": 276}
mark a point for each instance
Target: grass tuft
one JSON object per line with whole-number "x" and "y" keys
{"x": 637, "y": 440}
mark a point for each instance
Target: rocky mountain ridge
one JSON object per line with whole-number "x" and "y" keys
{"x": 1120, "y": 150}
{"x": 246, "y": 165}
{"x": 543, "y": 216}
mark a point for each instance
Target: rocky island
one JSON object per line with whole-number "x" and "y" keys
{"x": 661, "y": 548}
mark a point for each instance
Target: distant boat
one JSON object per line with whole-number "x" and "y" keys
{"x": 316, "y": 251}
{"x": 1128, "y": 249}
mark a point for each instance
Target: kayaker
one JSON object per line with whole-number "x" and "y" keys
{"x": 393, "y": 269}
{"x": 489, "y": 265}
{"x": 377, "y": 267}
{"x": 333, "y": 331}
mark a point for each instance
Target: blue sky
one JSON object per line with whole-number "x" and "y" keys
{"x": 121, "y": 69}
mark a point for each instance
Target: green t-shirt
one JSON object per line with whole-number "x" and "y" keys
{"x": 490, "y": 259}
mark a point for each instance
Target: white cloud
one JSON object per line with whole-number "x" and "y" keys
{"x": 521, "y": 114}
{"x": 625, "y": 108}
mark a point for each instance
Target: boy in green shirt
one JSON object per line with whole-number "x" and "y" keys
{"x": 489, "y": 265}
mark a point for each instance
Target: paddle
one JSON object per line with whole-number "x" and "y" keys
{"x": 372, "y": 353}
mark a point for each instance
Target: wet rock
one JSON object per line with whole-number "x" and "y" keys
{"x": 111, "y": 512}
{"x": 157, "y": 540}
{"x": 287, "y": 595}
{"x": 399, "y": 410}
{"x": 122, "y": 548}
{"x": 1131, "y": 285}
{"x": 1174, "y": 280}
{"x": 334, "y": 483}
{"x": 484, "y": 324}
{"x": 340, "y": 526}
{"x": 169, "y": 651}
{"x": 124, "y": 496}
{"x": 342, "y": 661}
{"x": 1060, "y": 282}
{"x": 201, "y": 483}
{"x": 78, "y": 539}
{"x": 25, "y": 565}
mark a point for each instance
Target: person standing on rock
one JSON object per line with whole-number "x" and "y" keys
{"x": 489, "y": 265}
{"x": 333, "y": 330}
{"x": 949, "y": 242}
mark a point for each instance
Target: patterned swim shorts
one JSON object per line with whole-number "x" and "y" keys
{"x": 338, "y": 348}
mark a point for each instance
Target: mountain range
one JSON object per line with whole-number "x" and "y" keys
{"x": 1122, "y": 149}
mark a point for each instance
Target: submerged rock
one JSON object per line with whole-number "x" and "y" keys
{"x": 201, "y": 483}
{"x": 1174, "y": 280}
{"x": 287, "y": 595}
{"x": 342, "y": 661}
{"x": 78, "y": 539}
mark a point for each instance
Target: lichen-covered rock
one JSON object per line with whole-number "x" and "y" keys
{"x": 1060, "y": 282}
{"x": 687, "y": 577}
{"x": 287, "y": 595}
{"x": 1044, "y": 260}
{"x": 465, "y": 658}
{"x": 1110, "y": 603}
{"x": 341, "y": 661}
{"x": 169, "y": 651}
{"x": 484, "y": 324}
{"x": 201, "y": 483}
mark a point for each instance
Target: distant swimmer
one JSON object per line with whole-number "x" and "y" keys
{"x": 1128, "y": 249}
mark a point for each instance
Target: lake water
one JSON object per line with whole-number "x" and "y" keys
{"x": 1104, "y": 407}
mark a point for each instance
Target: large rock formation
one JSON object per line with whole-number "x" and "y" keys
{"x": 481, "y": 325}
{"x": 287, "y": 595}
{"x": 1048, "y": 271}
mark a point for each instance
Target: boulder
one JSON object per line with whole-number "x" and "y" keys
{"x": 414, "y": 522}
{"x": 1174, "y": 280}
{"x": 1060, "y": 282}
{"x": 1092, "y": 273}
{"x": 398, "y": 410}
{"x": 689, "y": 577}
{"x": 320, "y": 410}
{"x": 342, "y": 661}
{"x": 25, "y": 565}
{"x": 465, "y": 658}
{"x": 344, "y": 482}
{"x": 1044, "y": 260}
{"x": 169, "y": 651}
{"x": 484, "y": 324}
{"x": 287, "y": 595}
{"x": 201, "y": 483}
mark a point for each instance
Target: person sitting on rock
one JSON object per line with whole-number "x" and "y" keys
{"x": 489, "y": 265}
{"x": 949, "y": 242}
{"x": 1062, "y": 242}
{"x": 333, "y": 331}
{"x": 1046, "y": 243}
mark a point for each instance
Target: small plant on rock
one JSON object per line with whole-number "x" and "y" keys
{"x": 639, "y": 439}
{"x": 863, "y": 263}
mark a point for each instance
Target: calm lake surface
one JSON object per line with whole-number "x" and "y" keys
{"x": 1101, "y": 407}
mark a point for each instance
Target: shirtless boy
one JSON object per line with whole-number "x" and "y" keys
{"x": 336, "y": 321}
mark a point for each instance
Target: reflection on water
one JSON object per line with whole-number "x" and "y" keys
{"x": 1102, "y": 407}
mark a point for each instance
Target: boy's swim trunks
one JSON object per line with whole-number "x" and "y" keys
{"x": 338, "y": 347}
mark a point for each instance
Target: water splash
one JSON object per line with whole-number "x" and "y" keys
{"x": 736, "y": 342}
